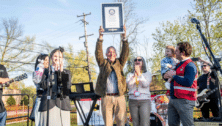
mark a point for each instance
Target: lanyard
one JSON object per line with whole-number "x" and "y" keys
{"x": 137, "y": 83}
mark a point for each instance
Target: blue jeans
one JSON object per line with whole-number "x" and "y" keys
{"x": 37, "y": 113}
{"x": 3, "y": 116}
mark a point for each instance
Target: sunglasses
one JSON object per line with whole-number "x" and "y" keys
{"x": 204, "y": 66}
{"x": 138, "y": 60}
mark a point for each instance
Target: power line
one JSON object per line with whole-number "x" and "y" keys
{"x": 68, "y": 26}
{"x": 20, "y": 49}
{"x": 10, "y": 61}
{"x": 36, "y": 52}
{"x": 66, "y": 31}
{"x": 35, "y": 43}
{"x": 26, "y": 42}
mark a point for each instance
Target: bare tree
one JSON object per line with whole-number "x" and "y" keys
{"x": 16, "y": 51}
{"x": 134, "y": 26}
{"x": 132, "y": 21}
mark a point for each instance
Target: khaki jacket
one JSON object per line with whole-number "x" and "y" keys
{"x": 106, "y": 67}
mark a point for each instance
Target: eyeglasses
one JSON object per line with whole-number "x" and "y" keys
{"x": 138, "y": 60}
{"x": 204, "y": 66}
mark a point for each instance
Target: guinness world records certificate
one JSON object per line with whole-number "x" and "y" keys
{"x": 112, "y": 18}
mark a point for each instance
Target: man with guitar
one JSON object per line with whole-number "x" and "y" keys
{"x": 208, "y": 80}
{"x": 3, "y": 78}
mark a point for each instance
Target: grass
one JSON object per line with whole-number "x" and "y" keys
{"x": 25, "y": 124}
{"x": 73, "y": 121}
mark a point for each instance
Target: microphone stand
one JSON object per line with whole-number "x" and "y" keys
{"x": 59, "y": 87}
{"x": 48, "y": 90}
{"x": 60, "y": 79}
{"x": 216, "y": 65}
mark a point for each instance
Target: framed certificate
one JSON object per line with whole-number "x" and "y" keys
{"x": 112, "y": 18}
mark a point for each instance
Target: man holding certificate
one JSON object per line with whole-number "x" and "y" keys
{"x": 111, "y": 84}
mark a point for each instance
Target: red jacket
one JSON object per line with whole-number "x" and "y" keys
{"x": 183, "y": 92}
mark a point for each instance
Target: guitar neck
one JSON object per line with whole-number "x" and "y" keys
{"x": 18, "y": 78}
{"x": 211, "y": 92}
{"x": 7, "y": 83}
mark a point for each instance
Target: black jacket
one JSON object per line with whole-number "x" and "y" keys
{"x": 55, "y": 100}
{"x": 202, "y": 83}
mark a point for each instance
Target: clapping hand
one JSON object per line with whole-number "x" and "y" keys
{"x": 137, "y": 70}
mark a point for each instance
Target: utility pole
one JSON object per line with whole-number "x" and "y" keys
{"x": 86, "y": 43}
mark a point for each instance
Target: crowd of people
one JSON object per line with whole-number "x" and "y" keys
{"x": 177, "y": 68}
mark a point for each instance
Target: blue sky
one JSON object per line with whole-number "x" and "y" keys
{"x": 56, "y": 22}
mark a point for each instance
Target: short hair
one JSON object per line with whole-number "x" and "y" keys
{"x": 143, "y": 65}
{"x": 172, "y": 48}
{"x": 40, "y": 57}
{"x": 185, "y": 47}
{"x": 109, "y": 48}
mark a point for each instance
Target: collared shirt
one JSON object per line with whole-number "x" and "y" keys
{"x": 185, "y": 59}
{"x": 112, "y": 83}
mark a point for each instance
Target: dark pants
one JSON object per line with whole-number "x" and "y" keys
{"x": 180, "y": 110}
{"x": 213, "y": 105}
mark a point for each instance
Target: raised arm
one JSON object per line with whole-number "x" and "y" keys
{"x": 125, "y": 49}
{"x": 204, "y": 61}
{"x": 99, "y": 50}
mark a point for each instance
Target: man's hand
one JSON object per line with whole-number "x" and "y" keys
{"x": 101, "y": 30}
{"x": 169, "y": 74}
{"x": 3, "y": 80}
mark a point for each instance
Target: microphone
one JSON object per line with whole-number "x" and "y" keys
{"x": 194, "y": 20}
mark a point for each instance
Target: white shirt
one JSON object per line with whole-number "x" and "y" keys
{"x": 143, "y": 87}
